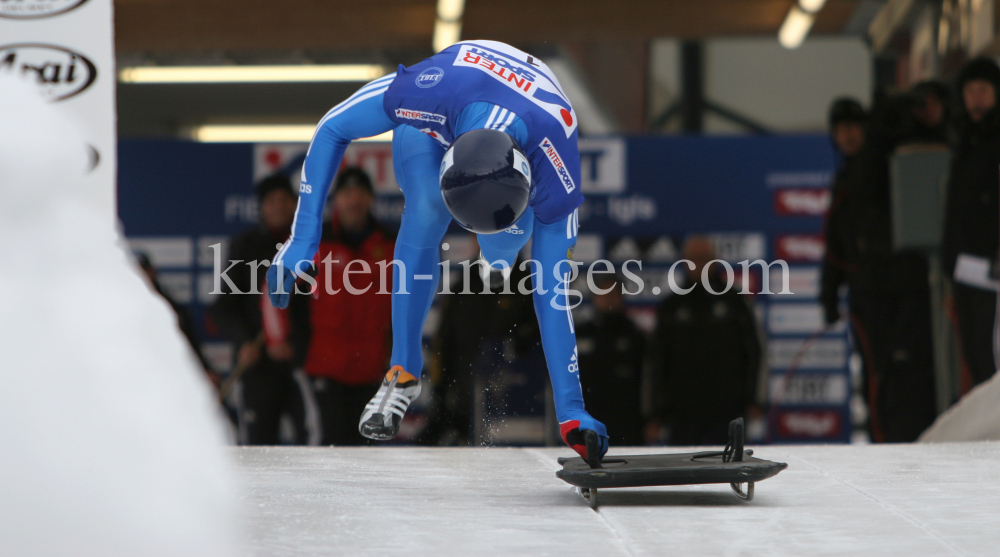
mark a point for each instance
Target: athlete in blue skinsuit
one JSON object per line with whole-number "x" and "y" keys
{"x": 496, "y": 108}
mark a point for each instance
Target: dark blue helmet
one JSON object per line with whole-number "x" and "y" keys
{"x": 485, "y": 181}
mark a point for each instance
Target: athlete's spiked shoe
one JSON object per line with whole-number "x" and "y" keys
{"x": 384, "y": 413}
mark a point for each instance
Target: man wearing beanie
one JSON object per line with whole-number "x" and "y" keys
{"x": 847, "y": 133}
{"x": 972, "y": 219}
{"x": 342, "y": 339}
{"x": 266, "y": 389}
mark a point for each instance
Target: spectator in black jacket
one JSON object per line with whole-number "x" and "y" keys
{"x": 972, "y": 217}
{"x": 847, "y": 133}
{"x": 611, "y": 353}
{"x": 266, "y": 390}
{"x": 705, "y": 355}
{"x": 889, "y": 296}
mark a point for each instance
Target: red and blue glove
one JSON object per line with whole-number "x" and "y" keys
{"x": 587, "y": 436}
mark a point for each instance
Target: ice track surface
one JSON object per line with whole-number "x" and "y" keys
{"x": 893, "y": 500}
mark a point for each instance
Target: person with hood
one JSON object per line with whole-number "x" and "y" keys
{"x": 972, "y": 215}
{"x": 888, "y": 292}
{"x": 929, "y": 102}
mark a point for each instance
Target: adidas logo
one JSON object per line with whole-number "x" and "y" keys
{"x": 574, "y": 364}
{"x": 513, "y": 230}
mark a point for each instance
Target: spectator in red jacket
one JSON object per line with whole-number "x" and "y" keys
{"x": 342, "y": 339}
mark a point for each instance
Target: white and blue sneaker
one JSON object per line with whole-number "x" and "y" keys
{"x": 385, "y": 411}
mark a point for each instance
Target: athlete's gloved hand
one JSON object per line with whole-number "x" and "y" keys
{"x": 280, "y": 288}
{"x": 286, "y": 282}
{"x": 591, "y": 447}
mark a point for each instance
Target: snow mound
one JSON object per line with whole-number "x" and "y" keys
{"x": 111, "y": 441}
{"x": 976, "y": 417}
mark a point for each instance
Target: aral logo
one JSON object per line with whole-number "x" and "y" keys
{"x": 34, "y": 9}
{"x": 429, "y": 77}
{"x": 59, "y": 73}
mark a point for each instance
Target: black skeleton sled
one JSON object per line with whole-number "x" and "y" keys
{"x": 734, "y": 465}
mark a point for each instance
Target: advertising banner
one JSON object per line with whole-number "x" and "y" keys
{"x": 755, "y": 198}
{"x": 66, "y": 47}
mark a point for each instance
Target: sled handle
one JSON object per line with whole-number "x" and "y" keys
{"x": 734, "y": 450}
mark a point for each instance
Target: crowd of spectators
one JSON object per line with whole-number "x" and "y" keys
{"x": 889, "y": 297}
{"x": 972, "y": 216}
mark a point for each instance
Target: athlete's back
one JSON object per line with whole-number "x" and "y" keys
{"x": 432, "y": 95}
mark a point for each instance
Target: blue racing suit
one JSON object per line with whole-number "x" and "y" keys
{"x": 470, "y": 85}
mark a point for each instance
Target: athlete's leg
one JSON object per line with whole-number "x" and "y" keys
{"x": 416, "y": 159}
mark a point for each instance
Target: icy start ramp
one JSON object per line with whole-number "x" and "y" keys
{"x": 890, "y": 500}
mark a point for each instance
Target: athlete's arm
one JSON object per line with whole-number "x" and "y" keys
{"x": 551, "y": 245}
{"x": 359, "y": 116}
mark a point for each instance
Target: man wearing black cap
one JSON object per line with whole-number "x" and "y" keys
{"x": 847, "y": 133}
{"x": 266, "y": 389}
{"x": 972, "y": 218}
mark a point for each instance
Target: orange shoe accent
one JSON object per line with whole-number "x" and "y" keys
{"x": 404, "y": 376}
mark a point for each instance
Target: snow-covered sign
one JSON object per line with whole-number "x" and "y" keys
{"x": 65, "y": 49}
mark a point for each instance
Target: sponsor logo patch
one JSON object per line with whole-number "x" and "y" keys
{"x": 822, "y": 354}
{"x": 36, "y": 9}
{"x": 804, "y": 282}
{"x": 801, "y": 202}
{"x": 59, "y": 73}
{"x": 420, "y": 115}
{"x": 801, "y": 248}
{"x": 435, "y": 136}
{"x": 446, "y": 162}
{"x": 809, "y": 425}
{"x": 558, "y": 165}
{"x": 429, "y": 77}
{"x": 794, "y": 318}
{"x": 521, "y": 165}
{"x": 532, "y": 81}
{"x": 574, "y": 363}
{"x": 809, "y": 388}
